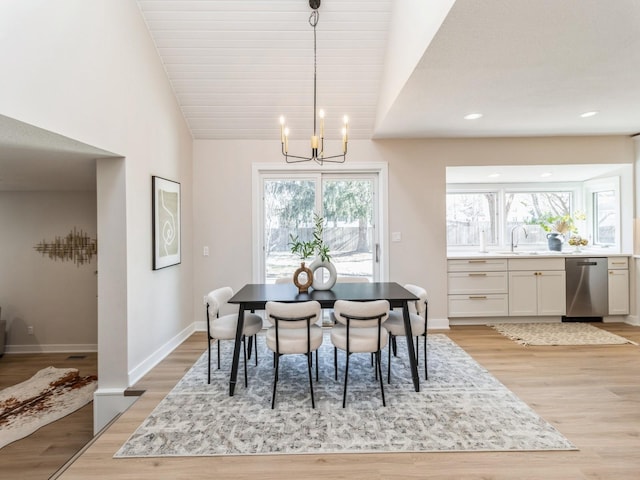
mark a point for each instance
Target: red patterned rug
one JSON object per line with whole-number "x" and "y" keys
{"x": 49, "y": 395}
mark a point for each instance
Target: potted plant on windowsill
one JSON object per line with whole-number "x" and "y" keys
{"x": 558, "y": 228}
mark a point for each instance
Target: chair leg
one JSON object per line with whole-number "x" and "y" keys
{"x": 309, "y": 361}
{"x": 389, "y": 361}
{"x": 316, "y": 365}
{"x": 426, "y": 371}
{"x": 218, "y": 345}
{"x": 244, "y": 347}
{"x": 255, "y": 343}
{"x": 250, "y": 345}
{"x": 346, "y": 376}
{"x": 276, "y": 360}
{"x": 209, "y": 362}
{"x": 378, "y": 358}
{"x": 335, "y": 362}
{"x": 395, "y": 346}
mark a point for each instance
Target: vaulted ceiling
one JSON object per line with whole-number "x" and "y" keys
{"x": 406, "y": 68}
{"x": 398, "y": 68}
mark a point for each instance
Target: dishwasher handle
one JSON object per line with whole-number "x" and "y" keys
{"x": 586, "y": 264}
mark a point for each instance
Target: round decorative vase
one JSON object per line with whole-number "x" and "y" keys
{"x": 303, "y": 287}
{"x": 319, "y": 282}
{"x": 554, "y": 241}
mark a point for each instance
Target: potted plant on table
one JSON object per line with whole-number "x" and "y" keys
{"x": 306, "y": 250}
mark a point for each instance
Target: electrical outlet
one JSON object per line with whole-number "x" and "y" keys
{"x": 204, "y": 300}
{"x": 30, "y": 330}
{"x": 205, "y": 251}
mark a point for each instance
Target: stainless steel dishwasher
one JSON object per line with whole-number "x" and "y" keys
{"x": 587, "y": 288}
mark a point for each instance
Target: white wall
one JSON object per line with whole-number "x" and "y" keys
{"x": 89, "y": 71}
{"x": 417, "y": 188}
{"x": 58, "y": 299}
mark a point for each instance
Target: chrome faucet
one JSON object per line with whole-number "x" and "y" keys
{"x": 514, "y": 239}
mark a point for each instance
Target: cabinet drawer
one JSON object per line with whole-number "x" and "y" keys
{"x": 477, "y": 265}
{"x": 536, "y": 264}
{"x": 477, "y": 282}
{"x": 478, "y": 305}
{"x": 618, "y": 263}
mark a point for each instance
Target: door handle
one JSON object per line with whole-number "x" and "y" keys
{"x": 377, "y": 253}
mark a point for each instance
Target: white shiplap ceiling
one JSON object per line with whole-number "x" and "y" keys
{"x": 531, "y": 67}
{"x": 236, "y": 66}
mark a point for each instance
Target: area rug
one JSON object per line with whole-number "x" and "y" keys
{"x": 49, "y": 395}
{"x": 460, "y": 408}
{"x": 566, "y": 333}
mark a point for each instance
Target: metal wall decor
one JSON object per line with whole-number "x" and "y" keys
{"x": 76, "y": 246}
{"x": 317, "y": 141}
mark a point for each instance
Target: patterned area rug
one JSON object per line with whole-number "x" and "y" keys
{"x": 568, "y": 333}
{"x": 460, "y": 408}
{"x": 49, "y": 395}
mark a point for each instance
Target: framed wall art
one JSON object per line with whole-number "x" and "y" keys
{"x": 166, "y": 222}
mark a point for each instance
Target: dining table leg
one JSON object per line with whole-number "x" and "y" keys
{"x": 410, "y": 347}
{"x": 236, "y": 350}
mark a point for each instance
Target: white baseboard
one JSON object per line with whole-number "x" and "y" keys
{"x": 438, "y": 324}
{"x": 156, "y": 357}
{"x": 52, "y": 348}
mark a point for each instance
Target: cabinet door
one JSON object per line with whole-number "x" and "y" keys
{"x": 618, "y": 292}
{"x": 552, "y": 296}
{"x": 522, "y": 294}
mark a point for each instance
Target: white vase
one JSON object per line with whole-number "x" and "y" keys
{"x": 319, "y": 282}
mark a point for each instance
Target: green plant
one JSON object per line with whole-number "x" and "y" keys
{"x": 307, "y": 249}
{"x": 563, "y": 224}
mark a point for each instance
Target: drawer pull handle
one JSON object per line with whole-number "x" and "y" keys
{"x": 477, "y": 261}
{"x": 477, "y": 297}
{"x": 477, "y": 274}
{"x": 618, "y": 263}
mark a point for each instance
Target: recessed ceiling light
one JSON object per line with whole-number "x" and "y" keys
{"x": 473, "y": 116}
{"x": 546, "y": 174}
{"x": 494, "y": 175}
{"x": 588, "y": 114}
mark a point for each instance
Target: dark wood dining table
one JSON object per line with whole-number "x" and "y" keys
{"x": 254, "y": 296}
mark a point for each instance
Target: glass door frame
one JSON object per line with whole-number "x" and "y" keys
{"x": 379, "y": 170}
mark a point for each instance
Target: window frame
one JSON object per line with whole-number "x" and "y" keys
{"x": 501, "y": 190}
{"x": 379, "y": 170}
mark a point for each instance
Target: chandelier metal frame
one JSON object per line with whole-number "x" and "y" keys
{"x": 317, "y": 141}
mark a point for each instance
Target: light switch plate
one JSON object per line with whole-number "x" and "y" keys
{"x": 396, "y": 236}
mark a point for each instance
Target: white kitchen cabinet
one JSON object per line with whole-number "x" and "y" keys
{"x": 478, "y": 288}
{"x": 618, "y": 286}
{"x": 537, "y": 292}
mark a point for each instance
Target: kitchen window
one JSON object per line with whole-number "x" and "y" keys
{"x": 498, "y": 210}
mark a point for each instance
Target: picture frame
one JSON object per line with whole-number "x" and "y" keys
{"x": 166, "y": 222}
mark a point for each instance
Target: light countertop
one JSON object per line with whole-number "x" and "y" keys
{"x": 535, "y": 254}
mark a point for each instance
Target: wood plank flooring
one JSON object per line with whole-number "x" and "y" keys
{"x": 590, "y": 393}
{"x": 42, "y": 453}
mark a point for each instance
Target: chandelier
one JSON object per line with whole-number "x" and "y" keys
{"x": 317, "y": 141}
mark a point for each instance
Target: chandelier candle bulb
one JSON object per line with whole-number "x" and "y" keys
{"x": 321, "y": 114}
{"x": 281, "y": 129}
{"x": 314, "y": 142}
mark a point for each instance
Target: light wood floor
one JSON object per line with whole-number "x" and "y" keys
{"x": 591, "y": 394}
{"x": 42, "y": 453}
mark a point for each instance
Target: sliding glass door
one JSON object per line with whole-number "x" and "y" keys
{"x": 348, "y": 205}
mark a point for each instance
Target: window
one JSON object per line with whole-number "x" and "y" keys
{"x": 499, "y": 210}
{"x": 604, "y": 217}
{"x": 468, "y": 214}
{"x": 352, "y": 202}
{"x": 526, "y": 207}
